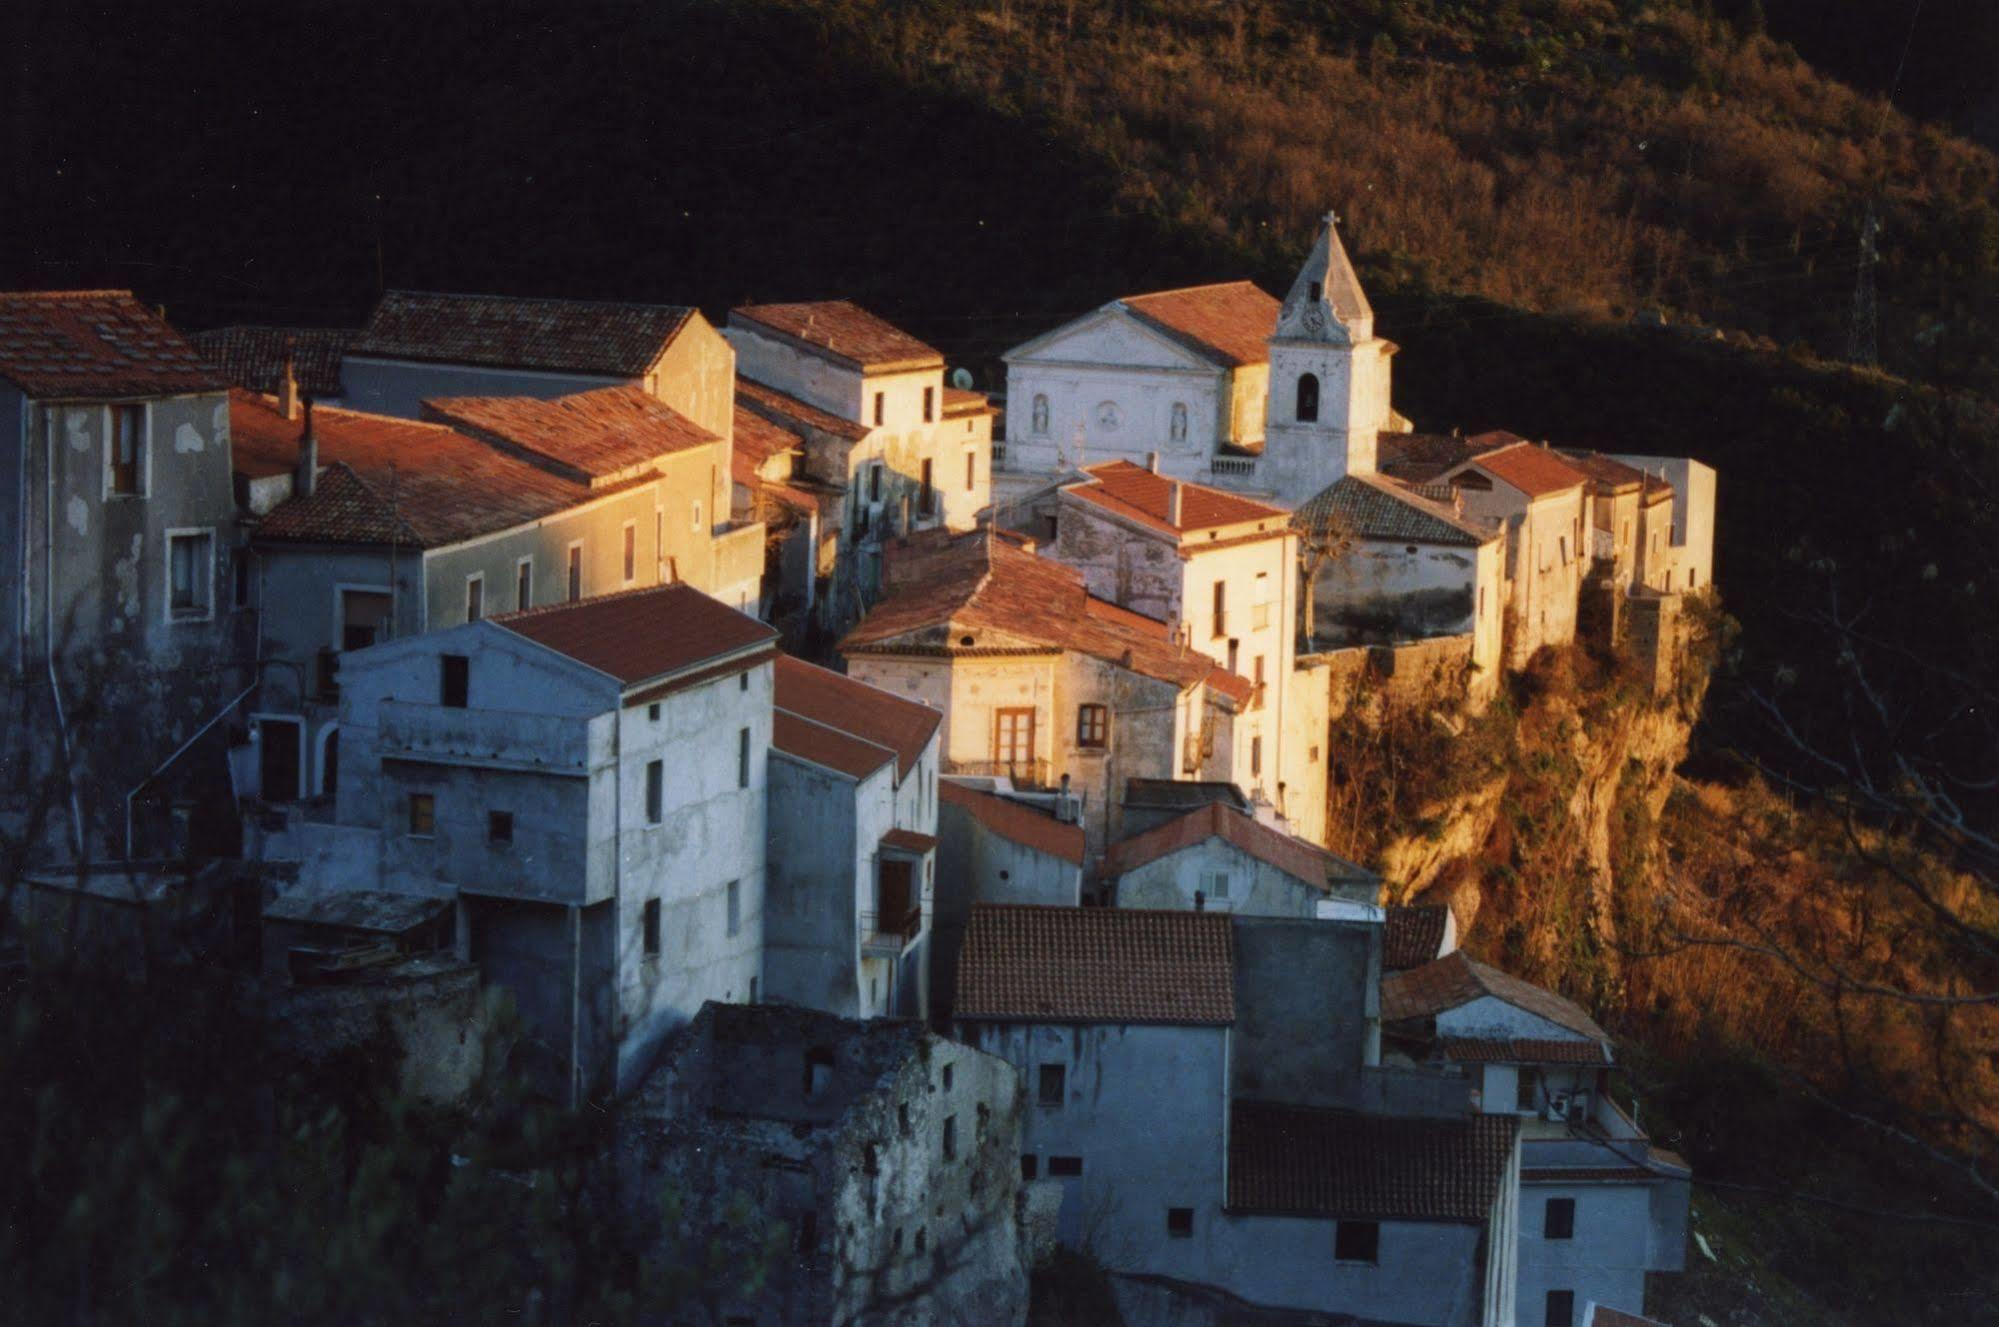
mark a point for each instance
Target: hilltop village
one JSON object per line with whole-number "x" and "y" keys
{"x": 906, "y": 803}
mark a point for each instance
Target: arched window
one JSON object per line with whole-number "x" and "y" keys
{"x": 1308, "y": 398}
{"x": 1177, "y": 429}
{"x": 1040, "y": 413}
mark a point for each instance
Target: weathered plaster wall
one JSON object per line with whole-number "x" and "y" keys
{"x": 1255, "y": 888}
{"x": 1605, "y": 1261}
{"x": 1324, "y": 975}
{"x": 976, "y": 865}
{"x": 811, "y": 944}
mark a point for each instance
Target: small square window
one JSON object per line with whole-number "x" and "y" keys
{"x": 1030, "y": 1166}
{"x": 1357, "y": 1241}
{"x": 743, "y": 681}
{"x": 1065, "y": 1167}
{"x": 655, "y": 791}
{"x": 649, "y": 925}
{"x": 1093, "y": 725}
{"x": 1558, "y": 1219}
{"x": 499, "y": 826}
{"x": 1054, "y": 1084}
{"x": 1561, "y": 1310}
{"x": 1180, "y": 1222}
{"x": 423, "y": 815}
{"x": 652, "y": 712}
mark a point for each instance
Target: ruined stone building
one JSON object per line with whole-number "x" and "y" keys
{"x": 852, "y": 860}
{"x": 869, "y": 1168}
{"x": 125, "y": 636}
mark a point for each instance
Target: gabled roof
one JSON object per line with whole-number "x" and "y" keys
{"x": 638, "y": 635}
{"x": 1230, "y": 323}
{"x": 1373, "y": 507}
{"x": 823, "y": 744}
{"x": 1327, "y": 281}
{"x": 1032, "y": 963}
{"x": 1294, "y": 1161}
{"x": 1607, "y": 473}
{"x": 1457, "y": 979}
{"x": 1019, "y": 824}
{"x": 618, "y": 339}
{"x": 843, "y": 330}
{"x": 1419, "y": 458}
{"x": 1182, "y": 794}
{"x": 388, "y": 480}
{"x": 943, "y": 591}
{"x": 758, "y": 439}
{"x": 1521, "y": 1050}
{"x": 1146, "y": 497}
{"x": 591, "y": 436}
{"x": 958, "y": 403}
{"x": 1411, "y": 936}
{"x": 1302, "y": 861}
{"x": 1535, "y": 471}
{"x": 903, "y": 727}
{"x": 786, "y": 409}
{"x": 96, "y": 345}
{"x": 254, "y": 357}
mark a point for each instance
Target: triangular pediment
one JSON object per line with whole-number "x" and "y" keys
{"x": 1109, "y": 335}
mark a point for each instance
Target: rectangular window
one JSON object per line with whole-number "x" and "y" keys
{"x": 126, "y": 451}
{"x": 1221, "y": 609}
{"x": 499, "y": 827}
{"x": 926, "y": 499}
{"x": 696, "y": 526}
{"x": 971, "y": 471}
{"x": 454, "y": 687}
{"x": 929, "y": 404}
{"x": 1357, "y": 1241}
{"x": 1255, "y": 757}
{"x": 1054, "y": 1084}
{"x": 1558, "y": 1219}
{"x": 190, "y": 566}
{"x": 1523, "y": 1089}
{"x": 879, "y": 409}
{"x": 1030, "y": 1166}
{"x": 652, "y": 712}
{"x": 742, "y": 758}
{"x": 1180, "y": 1222}
{"x": 1217, "y": 885}
{"x": 524, "y": 583}
{"x": 1065, "y": 1167}
{"x": 655, "y": 791}
{"x": 1093, "y": 725}
{"x": 239, "y": 578}
{"x": 475, "y": 598}
{"x": 649, "y": 925}
{"x": 1561, "y": 1308}
{"x": 631, "y": 552}
{"x": 575, "y": 572}
{"x": 735, "y": 906}
{"x": 1256, "y": 670}
{"x": 423, "y": 815}
{"x": 950, "y": 1137}
{"x": 1562, "y": 542}
{"x": 875, "y": 482}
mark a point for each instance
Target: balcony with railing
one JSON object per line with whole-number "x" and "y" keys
{"x": 897, "y": 917}
{"x": 1024, "y": 773}
{"x": 492, "y": 739}
{"x": 1232, "y": 467}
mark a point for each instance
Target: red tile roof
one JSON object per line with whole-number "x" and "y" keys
{"x": 845, "y": 331}
{"x": 1230, "y": 323}
{"x": 904, "y": 727}
{"x": 564, "y": 336}
{"x": 958, "y": 403}
{"x": 1032, "y": 963}
{"x": 1606, "y": 472}
{"x": 1293, "y": 1161}
{"x": 254, "y": 357}
{"x": 96, "y": 345}
{"x": 389, "y": 480}
{"x": 1521, "y": 1050}
{"x": 1535, "y": 471}
{"x": 639, "y": 635}
{"x": 758, "y": 439}
{"x": 1458, "y": 979}
{"x": 1411, "y": 936}
{"x": 1019, "y": 824}
{"x": 1419, "y": 458}
{"x": 785, "y": 409}
{"x": 908, "y": 840}
{"x": 1137, "y": 493}
{"x": 605, "y": 434}
{"x": 1293, "y": 856}
{"x": 821, "y": 744}
{"x": 943, "y": 590}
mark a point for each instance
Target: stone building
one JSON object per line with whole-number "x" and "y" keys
{"x": 852, "y": 858}
{"x": 1217, "y": 859}
{"x": 585, "y": 785}
{"x": 877, "y": 1164}
{"x": 125, "y": 640}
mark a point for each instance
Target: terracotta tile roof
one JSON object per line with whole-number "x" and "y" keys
{"x": 904, "y": 727}
{"x": 638, "y": 635}
{"x": 563, "y": 336}
{"x": 758, "y": 439}
{"x": 1182, "y": 794}
{"x": 96, "y": 345}
{"x": 1230, "y": 323}
{"x": 1134, "y": 492}
{"x": 1292, "y": 1161}
{"x": 1376, "y": 508}
{"x": 1020, "y": 824}
{"x": 1457, "y": 979}
{"x": 821, "y": 744}
{"x": 389, "y": 480}
{"x": 845, "y": 331}
{"x": 605, "y": 434}
{"x": 908, "y": 840}
{"x": 943, "y": 590}
{"x": 1521, "y": 1050}
{"x": 1605, "y": 472}
{"x": 785, "y": 409}
{"x": 1411, "y": 936}
{"x": 254, "y": 357}
{"x": 1031, "y": 963}
{"x": 1419, "y": 458}
{"x": 958, "y": 403}
{"x": 1535, "y": 471}
{"x": 1294, "y": 856}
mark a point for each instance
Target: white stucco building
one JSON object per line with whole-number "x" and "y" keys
{"x": 1218, "y": 859}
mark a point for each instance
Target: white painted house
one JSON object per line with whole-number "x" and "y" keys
{"x": 1218, "y": 859}
{"x": 586, "y": 784}
{"x": 853, "y": 845}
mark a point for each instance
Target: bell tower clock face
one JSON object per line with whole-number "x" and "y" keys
{"x": 1315, "y": 318}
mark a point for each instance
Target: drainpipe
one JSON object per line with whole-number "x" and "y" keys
{"x": 49, "y": 636}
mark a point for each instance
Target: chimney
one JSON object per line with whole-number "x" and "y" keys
{"x": 288, "y": 390}
{"x": 1152, "y": 462}
{"x": 1173, "y": 504}
{"x": 307, "y": 475}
